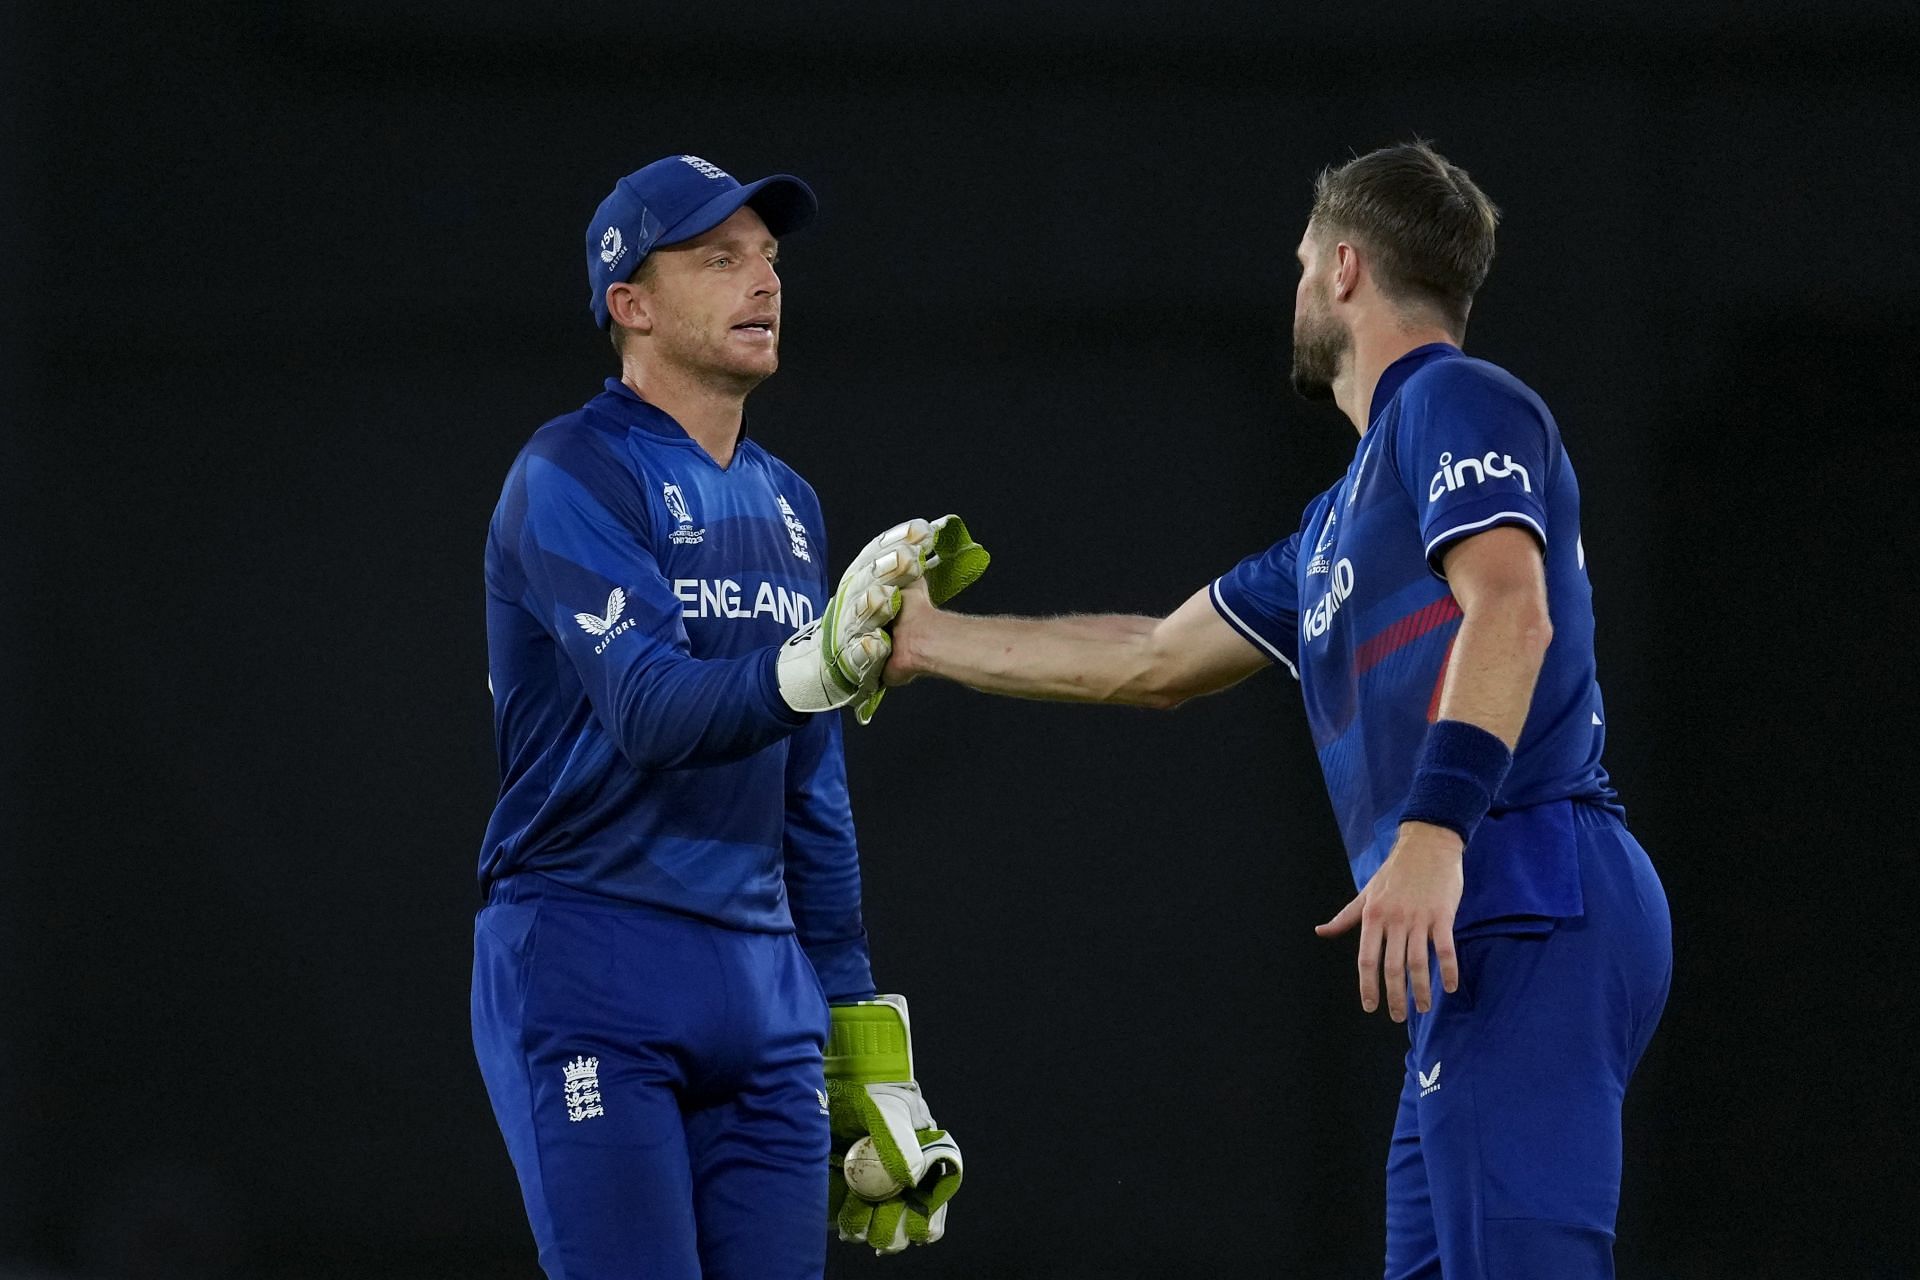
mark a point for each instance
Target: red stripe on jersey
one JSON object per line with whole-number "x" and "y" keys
{"x": 1404, "y": 632}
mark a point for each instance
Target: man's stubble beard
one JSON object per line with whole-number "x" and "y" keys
{"x": 1319, "y": 344}
{"x": 706, "y": 361}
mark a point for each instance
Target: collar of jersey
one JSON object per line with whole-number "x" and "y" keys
{"x": 1396, "y": 374}
{"x": 654, "y": 420}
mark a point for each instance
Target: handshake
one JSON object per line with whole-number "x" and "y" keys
{"x": 840, "y": 655}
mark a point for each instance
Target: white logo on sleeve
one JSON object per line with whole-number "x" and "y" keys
{"x": 583, "y": 1089}
{"x": 612, "y": 246}
{"x": 609, "y": 626}
{"x": 822, "y": 1095}
{"x": 1429, "y": 1080}
{"x": 796, "y": 532}
{"x": 684, "y": 534}
{"x": 616, "y": 605}
{"x": 704, "y": 167}
{"x": 1495, "y": 466}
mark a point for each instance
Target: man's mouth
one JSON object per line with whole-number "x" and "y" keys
{"x": 757, "y": 325}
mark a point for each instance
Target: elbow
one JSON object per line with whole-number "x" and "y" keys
{"x": 1538, "y": 631}
{"x": 1166, "y": 675}
{"x": 648, "y": 756}
{"x": 1518, "y": 616}
{"x": 1162, "y": 699}
{"x": 1161, "y": 686}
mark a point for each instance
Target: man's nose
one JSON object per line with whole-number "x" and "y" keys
{"x": 769, "y": 282}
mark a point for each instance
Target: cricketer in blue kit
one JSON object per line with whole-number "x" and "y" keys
{"x": 671, "y": 880}
{"x": 1435, "y": 608}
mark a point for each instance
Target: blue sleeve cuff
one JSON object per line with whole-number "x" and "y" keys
{"x": 843, "y": 968}
{"x": 1467, "y": 519}
{"x": 1232, "y": 617}
{"x": 776, "y": 705}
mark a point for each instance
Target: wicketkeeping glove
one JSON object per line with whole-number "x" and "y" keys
{"x": 828, "y": 662}
{"x": 954, "y": 564}
{"x": 871, "y": 1092}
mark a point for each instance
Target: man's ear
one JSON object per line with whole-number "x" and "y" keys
{"x": 631, "y": 306}
{"x": 1346, "y": 271}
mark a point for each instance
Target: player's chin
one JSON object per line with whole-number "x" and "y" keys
{"x": 757, "y": 368}
{"x": 747, "y": 368}
{"x": 1311, "y": 386}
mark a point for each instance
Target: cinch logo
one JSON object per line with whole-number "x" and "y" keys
{"x": 725, "y": 598}
{"x": 612, "y": 247}
{"x": 1315, "y": 622}
{"x": 1453, "y": 475}
{"x": 703, "y": 167}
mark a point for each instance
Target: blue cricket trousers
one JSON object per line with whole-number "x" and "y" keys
{"x": 658, "y": 1081}
{"x": 1505, "y": 1161}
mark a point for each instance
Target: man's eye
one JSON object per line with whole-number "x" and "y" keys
{"x": 721, "y": 261}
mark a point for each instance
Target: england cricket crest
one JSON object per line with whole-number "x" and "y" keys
{"x": 796, "y": 532}
{"x": 684, "y": 534}
{"x": 583, "y": 1089}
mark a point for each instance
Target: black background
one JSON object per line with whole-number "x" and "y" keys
{"x": 286, "y": 286}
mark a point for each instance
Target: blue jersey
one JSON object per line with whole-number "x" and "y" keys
{"x": 637, "y": 594}
{"x": 1355, "y": 605}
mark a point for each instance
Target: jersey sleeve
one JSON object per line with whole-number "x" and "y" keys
{"x": 1260, "y": 598}
{"x": 593, "y": 582}
{"x": 1473, "y": 453}
{"x": 823, "y": 862}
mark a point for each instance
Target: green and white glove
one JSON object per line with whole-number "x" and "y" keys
{"x": 831, "y": 660}
{"x": 871, "y": 1093}
{"x": 954, "y": 564}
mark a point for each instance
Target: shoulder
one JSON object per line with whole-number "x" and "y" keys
{"x": 1467, "y": 383}
{"x": 580, "y": 463}
{"x": 580, "y": 441}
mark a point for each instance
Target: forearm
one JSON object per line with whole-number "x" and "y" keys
{"x": 1496, "y": 660}
{"x": 1083, "y": 658}
{"x": 676, "y": 711}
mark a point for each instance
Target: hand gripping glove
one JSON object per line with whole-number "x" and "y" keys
{"x": 827, "y": 663}
{"x": 955, "y": 563}
{"x": 871, "y": 1092}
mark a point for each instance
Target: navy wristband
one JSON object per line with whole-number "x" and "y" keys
{"x": 1457, "y": 777}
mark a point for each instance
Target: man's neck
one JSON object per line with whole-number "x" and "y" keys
{"x": 1375, "y": 347}
{"x": 710, "y": 415}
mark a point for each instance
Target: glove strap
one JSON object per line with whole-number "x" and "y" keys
{"x": 870, "y": 1042}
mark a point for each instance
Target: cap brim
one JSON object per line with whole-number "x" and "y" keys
{"x": 783, "y": 202}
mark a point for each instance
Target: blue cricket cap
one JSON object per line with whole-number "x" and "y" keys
{"x": 676, "y": 199}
